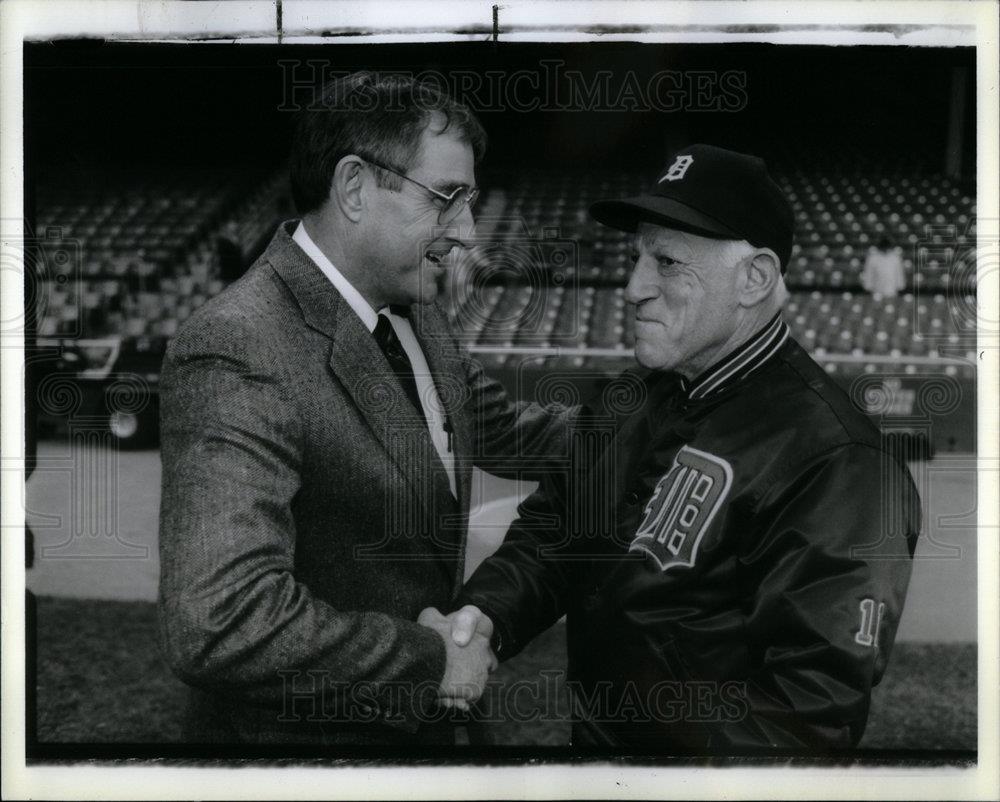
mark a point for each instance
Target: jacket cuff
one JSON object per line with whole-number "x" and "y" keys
{"x": 415, "y": 703}
{"x": 502, "y": 642}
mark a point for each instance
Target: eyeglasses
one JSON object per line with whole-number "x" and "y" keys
{"x": 453, "y": 203}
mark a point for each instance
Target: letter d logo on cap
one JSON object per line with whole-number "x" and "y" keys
{"x": 677, "y": 169}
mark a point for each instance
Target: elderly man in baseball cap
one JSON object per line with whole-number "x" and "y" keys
{"x": 733, "y": 563}
{"x": 713, "y": 237}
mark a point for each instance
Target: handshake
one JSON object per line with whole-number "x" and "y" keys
{"x": 470, "y": 660}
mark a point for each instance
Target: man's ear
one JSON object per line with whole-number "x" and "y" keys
{"x": 763, "y": 272}
{"x": 346, "y": 187}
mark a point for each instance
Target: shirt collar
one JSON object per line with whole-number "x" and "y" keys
{"x": 739, "y": 364}
{"x": 355, "y": 299}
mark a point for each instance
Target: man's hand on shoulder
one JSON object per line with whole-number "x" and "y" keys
{"x": 466, "y": 634}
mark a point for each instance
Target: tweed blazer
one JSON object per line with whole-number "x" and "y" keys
{"x": 306, "y": 518}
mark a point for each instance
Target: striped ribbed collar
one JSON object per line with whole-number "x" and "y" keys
{"x": 736, "y": 366}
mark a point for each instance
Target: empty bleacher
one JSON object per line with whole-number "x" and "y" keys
{"x": 555, "y": 279}
{"x": 130, "y": 262}
{"x": 133, "y": 260}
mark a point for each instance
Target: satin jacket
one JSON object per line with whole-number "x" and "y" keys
{"x": 732, "y": 559}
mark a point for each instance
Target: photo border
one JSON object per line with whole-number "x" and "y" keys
{"x": 288, "y": 21}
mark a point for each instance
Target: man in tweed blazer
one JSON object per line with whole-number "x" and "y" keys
{"x": 310, "y": 508}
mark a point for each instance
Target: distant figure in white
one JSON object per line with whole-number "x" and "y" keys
{"x": 883, "y": 272}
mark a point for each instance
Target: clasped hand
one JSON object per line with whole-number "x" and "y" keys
{"x": 469, "y": 659}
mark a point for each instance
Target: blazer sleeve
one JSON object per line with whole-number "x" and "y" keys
{"x": 515, "y": 439}
{"x": 831, "y": 563}
{"x": 232, "y": 615}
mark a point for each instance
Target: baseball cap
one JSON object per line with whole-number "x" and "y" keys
{"x": 712, "y": 192}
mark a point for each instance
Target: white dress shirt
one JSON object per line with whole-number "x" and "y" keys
{"x": 429, "y": 399}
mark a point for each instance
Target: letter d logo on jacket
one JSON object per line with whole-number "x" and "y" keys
{"x": 682, "y": 507}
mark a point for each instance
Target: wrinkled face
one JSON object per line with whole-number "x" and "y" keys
{"x": 411, "y": 250}
{"x": 685, "y": 289}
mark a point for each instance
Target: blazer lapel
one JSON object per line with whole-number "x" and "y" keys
{"x": 365, "y": 374}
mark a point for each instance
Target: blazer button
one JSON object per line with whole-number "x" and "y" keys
{"x": 632, "y": 499}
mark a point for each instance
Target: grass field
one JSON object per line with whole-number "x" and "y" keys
{"x": 102, "y": 681}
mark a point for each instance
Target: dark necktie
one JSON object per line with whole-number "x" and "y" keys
{"x": 385, "y": 336}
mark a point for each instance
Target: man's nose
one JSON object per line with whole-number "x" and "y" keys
{"x": 639, "y": 288}
{"x": 465, "y": 224}
{"x": 458, "y": 231}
